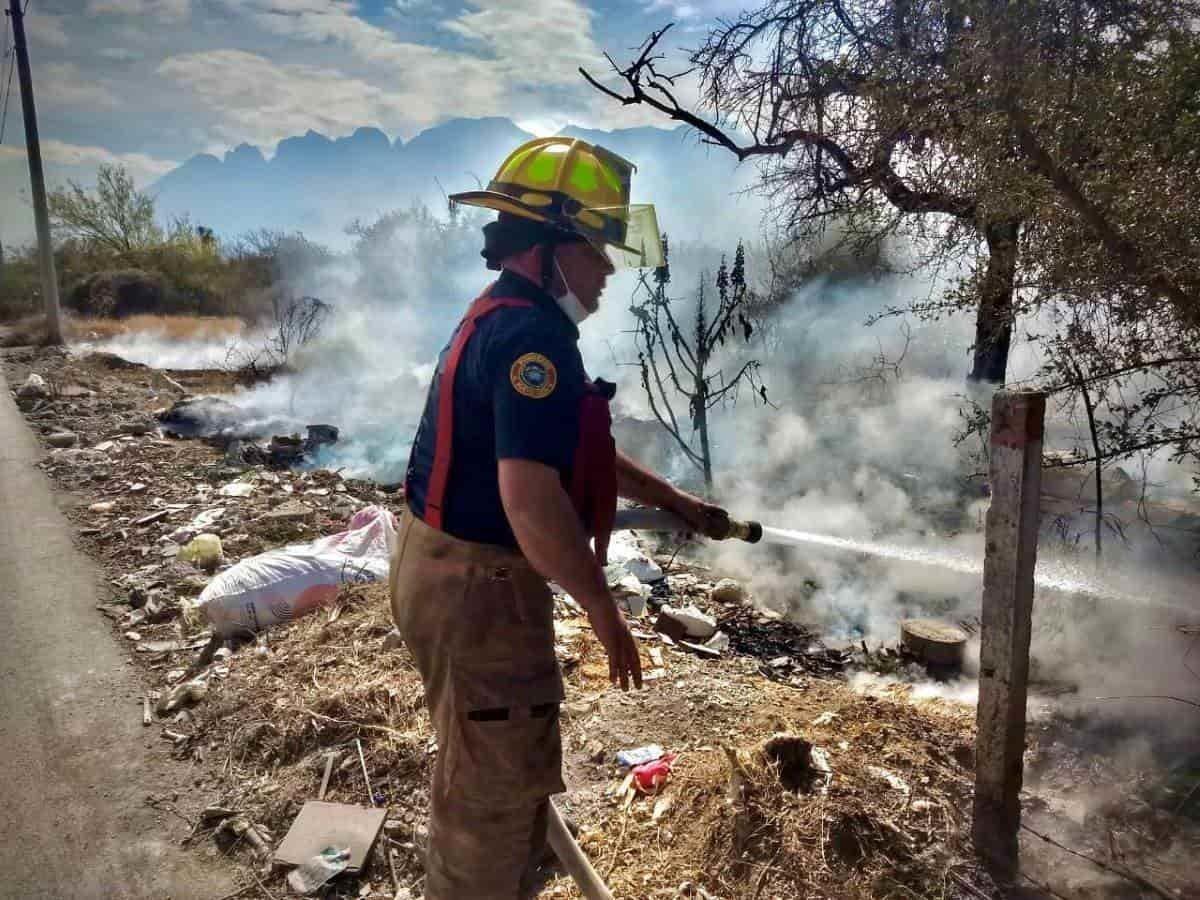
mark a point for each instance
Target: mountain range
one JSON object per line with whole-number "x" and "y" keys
{"x": 318, "y": 185}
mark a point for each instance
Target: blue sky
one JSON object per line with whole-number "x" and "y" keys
{"x": 148, "y": 83}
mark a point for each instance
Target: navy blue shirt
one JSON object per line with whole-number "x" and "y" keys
{"x": 517, "y": 394}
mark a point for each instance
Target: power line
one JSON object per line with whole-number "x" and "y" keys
{"x": 10, "y": 51}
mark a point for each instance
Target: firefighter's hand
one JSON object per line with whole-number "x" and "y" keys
{"x": 610, "y": 626}
{"x": 706, "y": 518}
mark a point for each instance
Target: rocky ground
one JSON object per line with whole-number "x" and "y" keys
{"x": 789, "y": 782}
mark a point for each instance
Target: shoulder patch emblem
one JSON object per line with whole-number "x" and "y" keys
{"x": 533, "y": 375}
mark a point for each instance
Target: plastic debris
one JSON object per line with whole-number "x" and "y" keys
{"x": 236, "y": 489}
{"x": 181, "y": 695}
{"x": 651, "y": 777}
{"x": 204, "y": 551}
{"x": 318, "y": 871}
{"x": 639, "y": 756}
{"x": 718, "y": 642}
{"x": 284, "y": 584}
{"x": 687, "y": 621}
{"x": 644, "y": 569}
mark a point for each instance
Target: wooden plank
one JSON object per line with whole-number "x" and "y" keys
{"x": 1010, "y": 556}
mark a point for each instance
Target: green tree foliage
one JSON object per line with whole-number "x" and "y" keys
{"x": 115, "y": 217}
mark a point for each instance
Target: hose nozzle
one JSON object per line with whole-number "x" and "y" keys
{"x": 661, "y": 520}
{"x": 750, "y": 532}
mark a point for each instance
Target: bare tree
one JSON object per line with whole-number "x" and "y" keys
{"x": 295, "y": 321}
{"x": 679, "y": 361}
{"x": 841, "y": 100}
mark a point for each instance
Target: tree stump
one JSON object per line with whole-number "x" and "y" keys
{"x": 934, "y": 643}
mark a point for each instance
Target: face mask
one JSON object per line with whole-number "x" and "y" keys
{"x": 569, "y": 303}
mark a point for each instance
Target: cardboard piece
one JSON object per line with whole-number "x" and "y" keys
{"x": 320, "y": 825}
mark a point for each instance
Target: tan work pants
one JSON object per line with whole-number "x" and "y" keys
{"x": 479, "y": 623}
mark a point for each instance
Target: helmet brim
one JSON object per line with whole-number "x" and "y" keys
{"x": 620, "y": 255}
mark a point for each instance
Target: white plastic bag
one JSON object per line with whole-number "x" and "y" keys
{"x": 284, "y": 584}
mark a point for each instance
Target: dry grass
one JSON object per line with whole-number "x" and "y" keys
{"x": 733, "y": 828}
{"x": 176, "y": 328}
{"x": 31, "y": 331}
{"x": 890, "y": 823}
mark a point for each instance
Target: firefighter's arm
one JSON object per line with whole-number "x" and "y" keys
{"x": 636, "y": 482}
{"x": 548, "y": 531}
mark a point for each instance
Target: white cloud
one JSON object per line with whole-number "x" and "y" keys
{"x": 47, "y": 30}
{"x": 166, "y": 10}
{"x": 261, "y": 102}
{"x": 64, "y": 86}
{"x": 695, "y": 9}
{"x": 533, "y": 41}
{"x": 142, "y": 167}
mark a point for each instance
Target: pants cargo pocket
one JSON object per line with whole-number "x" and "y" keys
{"x": 509, "y": 750}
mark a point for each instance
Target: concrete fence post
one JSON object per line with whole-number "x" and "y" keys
{"x": 1009, "y": 560}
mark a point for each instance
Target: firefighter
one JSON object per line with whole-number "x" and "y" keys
{"x": 513, "y": 474}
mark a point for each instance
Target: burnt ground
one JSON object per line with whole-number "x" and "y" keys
{"x": 880, "y": 810}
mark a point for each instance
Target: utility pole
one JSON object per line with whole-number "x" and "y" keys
{"x": 36, "y": 178}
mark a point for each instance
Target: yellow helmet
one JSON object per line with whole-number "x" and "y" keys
{"x": 580, "y": 188}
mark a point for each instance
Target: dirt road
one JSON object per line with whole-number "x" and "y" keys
{"x": 78, "y": 764}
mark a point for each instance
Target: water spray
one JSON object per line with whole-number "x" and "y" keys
{"x": 1050, "y": 575}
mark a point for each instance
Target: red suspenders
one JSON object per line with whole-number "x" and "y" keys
{"x": 593, "y": 486}
{"x": 443, "y": 444}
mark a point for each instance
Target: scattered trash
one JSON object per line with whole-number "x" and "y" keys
{"x": 824, "y": 718}
{"x": 291, "y": 511}
{"x": 320, "y": 824}
{"x": 33, "y": 388}
{"x": 718, "y": 642}
{"x": 313, "y": 875}
{"x": 181, "y": 695}
{"x": 204, "y": 551}
{"x": 644, "y": 569}
{"x": 239, "y": 828}
{"x": 700, "y": 649}
{"x": 639, "y": 756}
{"x": 201, "y": 524}
{"x": 728, "y": 591}
{"x": 894, "y": 780}
{"x": 62, "y": 439}
{"x": 819, "y": 760}
{"x": 650, "y": 777}
{"x": 393, "y": 640}
{"x": 687, "y": 622}
{"x": 105, "y": 506}
{"x": 171, "y": 646}
{"x": 236, "y": 489}
{"x": 281, "y": 585}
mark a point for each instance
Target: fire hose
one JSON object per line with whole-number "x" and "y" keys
{"x": 559, "y": 837}
{"x": 662, "y": 520}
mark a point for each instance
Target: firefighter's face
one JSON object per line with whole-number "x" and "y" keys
{"x": 586, "y": 270}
